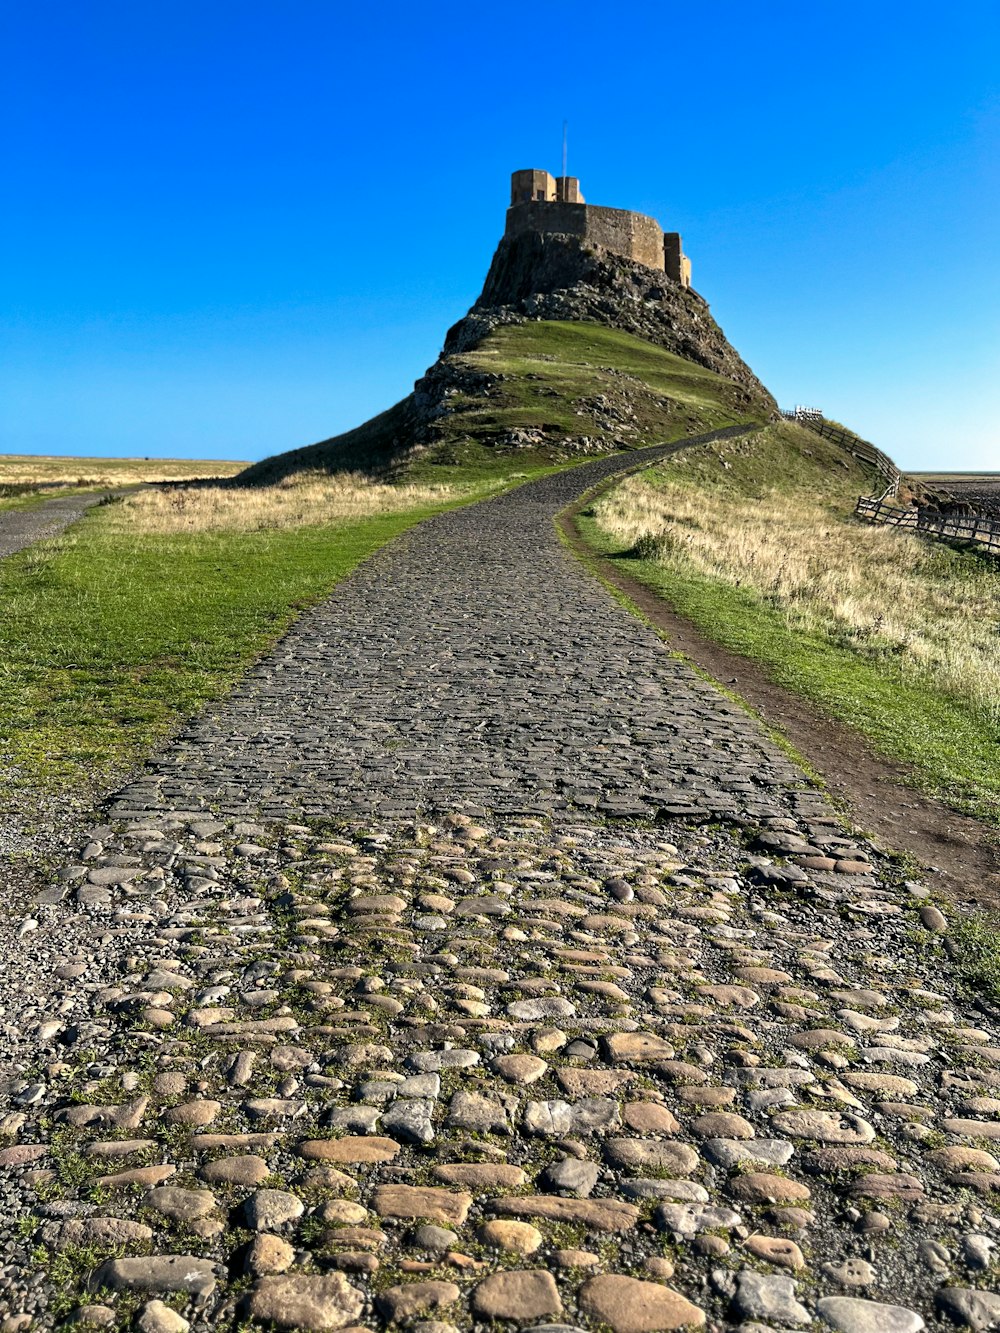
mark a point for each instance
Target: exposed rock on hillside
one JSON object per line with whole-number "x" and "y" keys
{"x": 552, "y": 278}
{"x": 555, "y": 277}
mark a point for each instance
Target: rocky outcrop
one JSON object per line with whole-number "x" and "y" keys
{"x": 556, "y": 277}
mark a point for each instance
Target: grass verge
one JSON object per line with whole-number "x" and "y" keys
{"x": 879, "y": 631}
{"x": 128, "y": 623}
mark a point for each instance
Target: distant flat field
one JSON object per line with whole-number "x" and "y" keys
{"x": 52, "y": 470}
{"x": 993, "y": 478}
{"x": 976, "y": 488}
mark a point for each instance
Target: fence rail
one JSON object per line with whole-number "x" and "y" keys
{"x": 861, "y": 449}
{"x": 977, "y": 528}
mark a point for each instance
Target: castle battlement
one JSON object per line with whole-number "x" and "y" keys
{"x": 540, "y": 202}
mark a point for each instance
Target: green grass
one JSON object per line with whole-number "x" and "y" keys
{"x": 950, "y": 752}
{"x": 784, "y": 458}
{"x": 978, "y": 957}
{"x": 552, "y": 372}
{"x": 547, "y": 375}
{"x": 68, "y": 470}
{"x": 26, "y": 496}
{"x": 107, "y": 641}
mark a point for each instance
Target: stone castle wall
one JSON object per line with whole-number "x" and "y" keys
{"x": 676, "y": 262}
{"x": 631, "y": 235}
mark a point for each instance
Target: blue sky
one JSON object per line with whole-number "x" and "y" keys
{"x": 232, "y": 227}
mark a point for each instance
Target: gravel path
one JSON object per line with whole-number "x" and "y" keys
{"x": 476, "y": 964}
{"x": 23, "y": 527}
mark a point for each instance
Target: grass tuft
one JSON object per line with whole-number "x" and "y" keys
{"x": 977, "y": 957}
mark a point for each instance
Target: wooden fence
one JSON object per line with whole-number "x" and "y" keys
{"x": 976, "y": 528}
{"x": 861, "y": 449}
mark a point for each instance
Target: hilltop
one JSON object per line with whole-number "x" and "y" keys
{"x": 570, "y": 349}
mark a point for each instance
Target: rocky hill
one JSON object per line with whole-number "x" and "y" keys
{"x": 537, "y": 276}
{"x": 498, "y": 384}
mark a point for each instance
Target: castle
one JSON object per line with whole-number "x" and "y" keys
{"x": 549, "y": 204}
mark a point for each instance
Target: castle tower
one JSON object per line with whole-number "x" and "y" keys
{"x": 568, "y": 190}
{"x": 543, "y": 204}
{"x": 530, "y": 187}
{"x": 675, "y": 262}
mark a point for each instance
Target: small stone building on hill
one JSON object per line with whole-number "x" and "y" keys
{"x": 552, "y": 205}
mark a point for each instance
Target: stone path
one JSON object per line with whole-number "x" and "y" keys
{"x": 471, "y": 662}
{"x": 23, "y": 527}
{"x": 519, "y": 980}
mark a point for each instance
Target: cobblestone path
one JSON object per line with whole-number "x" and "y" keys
{"x": 479, "y": 966}
{"x": 471, "y": 662}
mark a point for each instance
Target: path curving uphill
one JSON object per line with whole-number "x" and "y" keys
{"x": 472, "y": 662}
{"x": 477, "y": 963}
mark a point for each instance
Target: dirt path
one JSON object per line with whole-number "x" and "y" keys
{"x": 23, "y": 527}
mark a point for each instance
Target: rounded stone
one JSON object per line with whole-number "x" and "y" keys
{"x": 159, "y": 1318}
{"x": 342, "y": 1212}
{"x": 267, "y": 1210}
{"x": 676, "y": 1158}
{"x": 963, "y": 1159}
{"x": 158, "y": 1273}
{"x": 721, "y": 1125}
{"x": 659, "y": 1266}
{"x": 760, "y": 1187}
{"x": 630, "y": 1305}
{"x": 576, "y": 1259}
{"x": 932, "y": 919}
{"x": 522, "y": 1295}
{"x": 970, "y": 1307}
{"x": 194, "y": 1114}
{"x": 520, "y": 1068}
{"x": 850, "y": 1314}
{"x": 635, "y": 1048}
{"x": 371, "y": 1148}
{"x": 180, "y": 1204}
{"x": 268, "y": 1254}
{"x": 169, "y": 1084}
{"x": 248, "y": 1170}
{"x": 649, "y": 1118}
{"x": 517, "y": 1237}
{"x": 552, "y": 1006}
{"x": 430, "y": 1237}
{"x": 824, "y": 1126}
{"x": 414, "y": 1298}
{"x": 777, "y": 1250}
{"x": 302, "y": 1300}
{"x": 853, "y": 1272}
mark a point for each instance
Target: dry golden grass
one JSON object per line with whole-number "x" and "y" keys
{"x": 883, "y": 593}
{"x": 28, "y": 469}
{"x": 304, "y": 500}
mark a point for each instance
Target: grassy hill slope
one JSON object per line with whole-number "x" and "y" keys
{"x": 543, "y": 391}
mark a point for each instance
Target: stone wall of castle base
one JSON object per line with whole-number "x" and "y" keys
{"x": 632, "y": 235}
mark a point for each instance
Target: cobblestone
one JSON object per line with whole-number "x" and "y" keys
{"x": 297, "y": 1066}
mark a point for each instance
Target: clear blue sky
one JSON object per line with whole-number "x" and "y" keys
{"x": 232, "y": 227}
